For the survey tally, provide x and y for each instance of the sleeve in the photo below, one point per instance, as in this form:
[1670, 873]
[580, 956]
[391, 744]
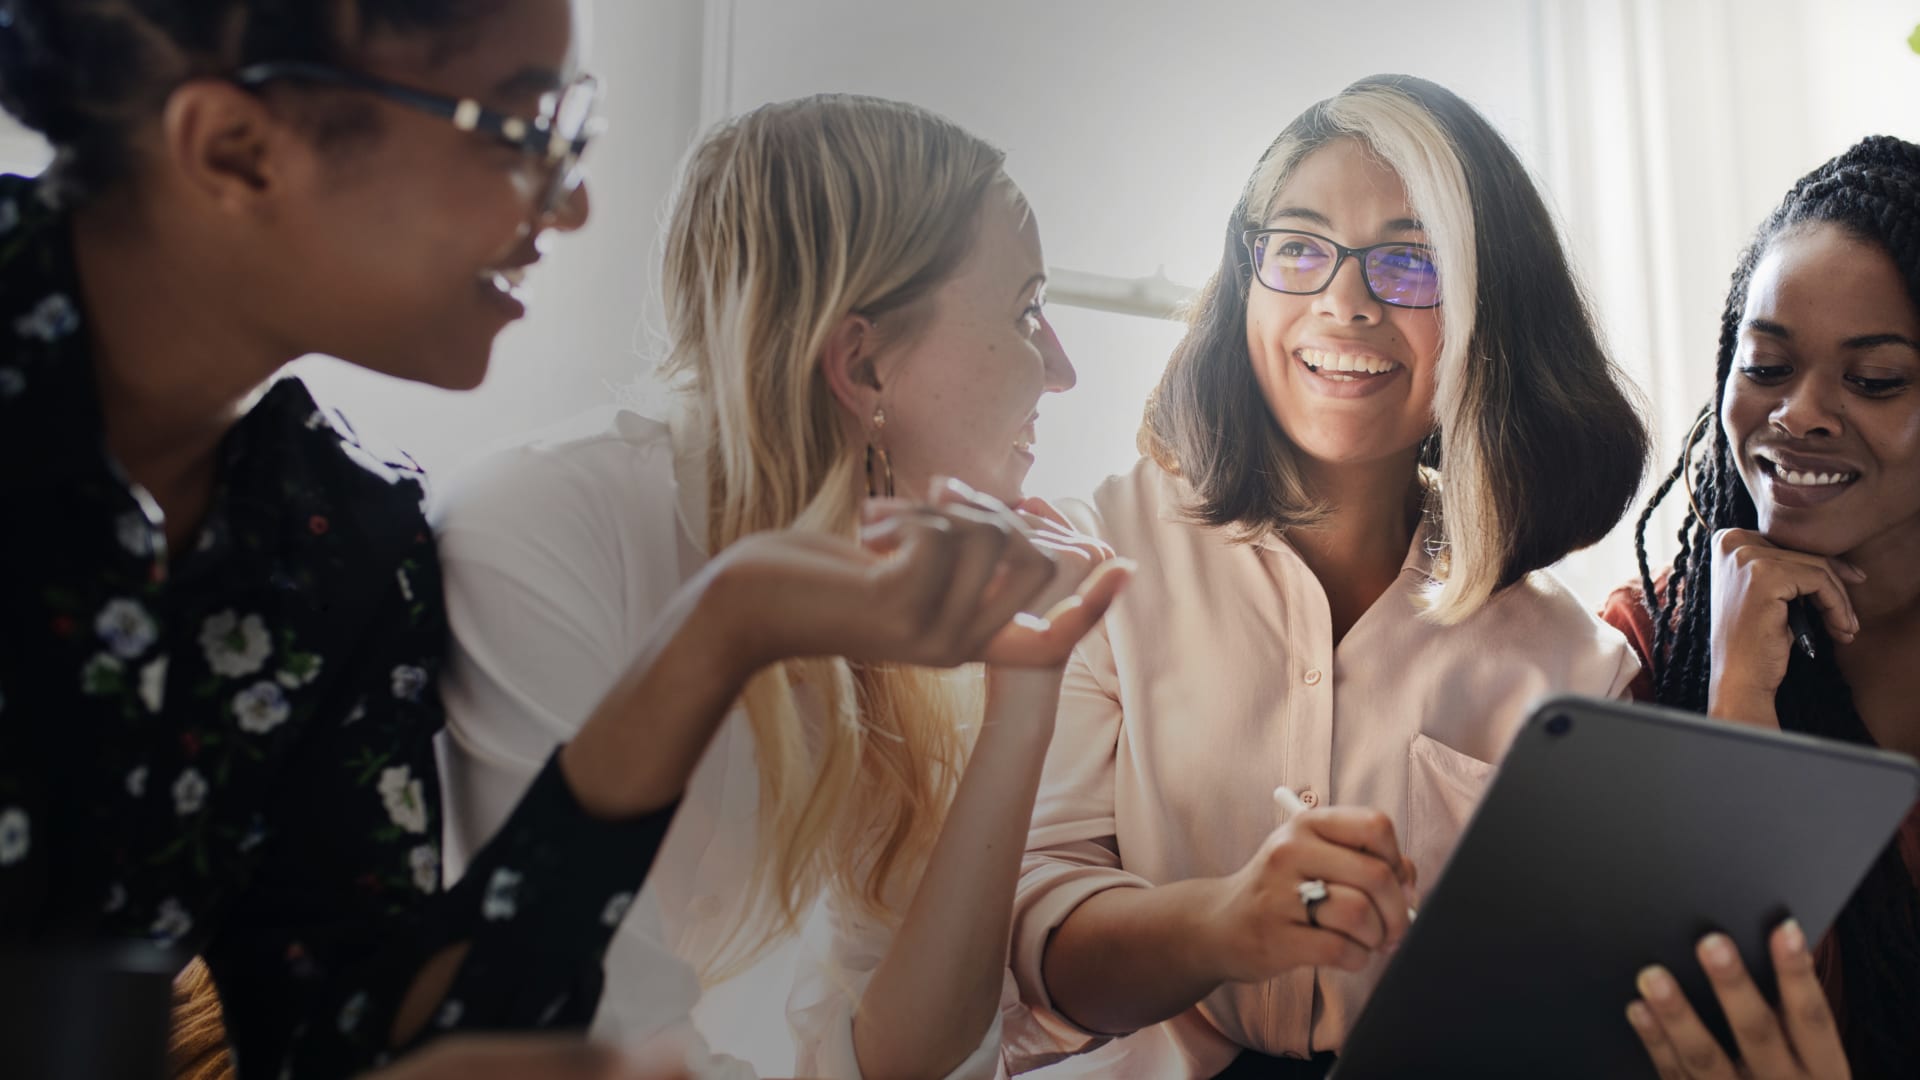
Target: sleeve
[316, 956]
[1626, 611]
[838, 957]
[536, 590]
[1072, 850]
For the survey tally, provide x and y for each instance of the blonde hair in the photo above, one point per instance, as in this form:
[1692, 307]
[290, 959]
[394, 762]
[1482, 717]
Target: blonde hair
[788, 219]
[1538, 447]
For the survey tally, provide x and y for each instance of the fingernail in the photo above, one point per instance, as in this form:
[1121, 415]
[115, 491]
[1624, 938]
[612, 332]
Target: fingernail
[1794, 938]
[1639, 1015]
[1655, 984]
[1124, 563]
[1717, 951]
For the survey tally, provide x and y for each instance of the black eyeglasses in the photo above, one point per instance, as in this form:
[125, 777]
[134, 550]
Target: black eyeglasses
[1304, 263]
[554, 141]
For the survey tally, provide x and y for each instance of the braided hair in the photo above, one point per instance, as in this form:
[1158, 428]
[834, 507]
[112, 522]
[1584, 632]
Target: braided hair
[86, 74]
[1873, 192]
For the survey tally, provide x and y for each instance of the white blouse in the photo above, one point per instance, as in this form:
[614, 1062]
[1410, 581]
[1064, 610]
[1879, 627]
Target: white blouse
[1216, 677]
[558, 555]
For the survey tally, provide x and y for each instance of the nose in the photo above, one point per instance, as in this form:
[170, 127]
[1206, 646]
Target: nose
[1346, 299]
[1059, 370]
[1808, 406]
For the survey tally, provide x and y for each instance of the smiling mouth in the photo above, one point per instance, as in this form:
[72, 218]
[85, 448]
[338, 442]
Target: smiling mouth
[1345, 367]
[1796, 478]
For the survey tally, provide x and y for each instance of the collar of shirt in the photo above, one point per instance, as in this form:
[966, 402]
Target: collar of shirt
[1426, 546]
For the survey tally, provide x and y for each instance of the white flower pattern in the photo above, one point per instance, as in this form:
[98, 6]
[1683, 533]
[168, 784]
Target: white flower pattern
[235, 647]
[126, 628]
[352, 1011]
[189, 792]
[153, 684]
[261, 707]
[50, 320]
[171, 923]
[16, 835]
[405, 798]
[135, 533]
[101, 676]
[300, 671]
[425, 862]
[502, 901]
[409, 680]
[616, 909]
[137, 781]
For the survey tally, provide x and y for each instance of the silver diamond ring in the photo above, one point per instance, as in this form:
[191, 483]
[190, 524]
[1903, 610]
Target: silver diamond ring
[1312, 892]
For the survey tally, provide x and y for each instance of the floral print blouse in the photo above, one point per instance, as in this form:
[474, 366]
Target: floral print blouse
[229, 750]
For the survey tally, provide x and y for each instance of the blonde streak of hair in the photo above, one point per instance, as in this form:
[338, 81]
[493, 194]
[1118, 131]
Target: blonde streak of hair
[1407, 138]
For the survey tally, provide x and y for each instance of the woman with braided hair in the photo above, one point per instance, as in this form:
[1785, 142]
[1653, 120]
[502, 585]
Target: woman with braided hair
[1808, 494]
[221, 619]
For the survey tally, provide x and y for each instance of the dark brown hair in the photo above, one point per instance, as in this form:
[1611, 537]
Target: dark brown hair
[87, 73]
[1539, 448]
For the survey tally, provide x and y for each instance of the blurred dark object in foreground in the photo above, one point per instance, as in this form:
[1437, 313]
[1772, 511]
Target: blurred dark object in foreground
[85, 1012]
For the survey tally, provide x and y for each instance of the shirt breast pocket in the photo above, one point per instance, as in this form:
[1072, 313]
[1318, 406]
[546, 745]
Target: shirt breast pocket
[1443, 788]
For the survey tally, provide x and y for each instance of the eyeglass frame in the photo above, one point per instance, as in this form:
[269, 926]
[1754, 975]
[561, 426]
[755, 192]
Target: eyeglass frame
[1250, 236]
[535, 138]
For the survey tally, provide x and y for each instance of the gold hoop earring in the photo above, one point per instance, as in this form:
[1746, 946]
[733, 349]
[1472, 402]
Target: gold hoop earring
[1686, 467]
[880, 482]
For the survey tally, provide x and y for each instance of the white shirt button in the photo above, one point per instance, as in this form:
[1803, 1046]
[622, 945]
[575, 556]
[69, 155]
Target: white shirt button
[1313, 677]
[1309, 798]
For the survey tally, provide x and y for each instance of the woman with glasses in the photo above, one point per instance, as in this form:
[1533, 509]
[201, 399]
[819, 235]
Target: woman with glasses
[1807, 495]
[1390, 412]
[220, 617]
[854, 294]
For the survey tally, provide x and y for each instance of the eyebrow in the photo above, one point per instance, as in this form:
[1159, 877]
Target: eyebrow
[1320, 219]
[1864, 341]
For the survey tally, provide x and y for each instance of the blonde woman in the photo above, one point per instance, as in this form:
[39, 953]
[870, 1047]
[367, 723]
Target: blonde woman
[854, 297]
[1390, 411]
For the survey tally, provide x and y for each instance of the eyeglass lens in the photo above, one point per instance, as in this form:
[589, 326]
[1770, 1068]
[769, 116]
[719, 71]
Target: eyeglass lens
[569, 130]
[1400, 274]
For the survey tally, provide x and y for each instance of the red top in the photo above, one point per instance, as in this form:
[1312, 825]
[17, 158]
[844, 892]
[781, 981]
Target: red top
[1626, 611]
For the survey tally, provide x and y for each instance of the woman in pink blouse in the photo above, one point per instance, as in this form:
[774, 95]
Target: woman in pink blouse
[1390, 412]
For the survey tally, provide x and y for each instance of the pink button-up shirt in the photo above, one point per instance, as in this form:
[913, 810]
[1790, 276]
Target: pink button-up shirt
[1216, 677]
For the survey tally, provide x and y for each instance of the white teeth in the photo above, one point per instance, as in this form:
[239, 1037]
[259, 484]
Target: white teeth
[1330, 362]
[1808, 479]
[507, 280]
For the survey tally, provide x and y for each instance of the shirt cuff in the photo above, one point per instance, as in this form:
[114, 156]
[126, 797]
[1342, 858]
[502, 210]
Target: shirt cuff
[1047, 895]
[542, 900]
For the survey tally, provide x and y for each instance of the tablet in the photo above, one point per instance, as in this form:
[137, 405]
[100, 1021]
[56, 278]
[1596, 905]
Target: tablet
[1615, 836]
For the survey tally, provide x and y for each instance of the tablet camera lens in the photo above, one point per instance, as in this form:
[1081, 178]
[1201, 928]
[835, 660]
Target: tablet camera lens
[1559, 724]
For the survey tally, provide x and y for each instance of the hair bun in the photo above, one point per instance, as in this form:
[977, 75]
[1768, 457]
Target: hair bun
[1881, 152]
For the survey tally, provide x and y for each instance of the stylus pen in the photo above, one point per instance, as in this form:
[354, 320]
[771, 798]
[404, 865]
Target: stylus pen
[1800, 622]
[1289, 804]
